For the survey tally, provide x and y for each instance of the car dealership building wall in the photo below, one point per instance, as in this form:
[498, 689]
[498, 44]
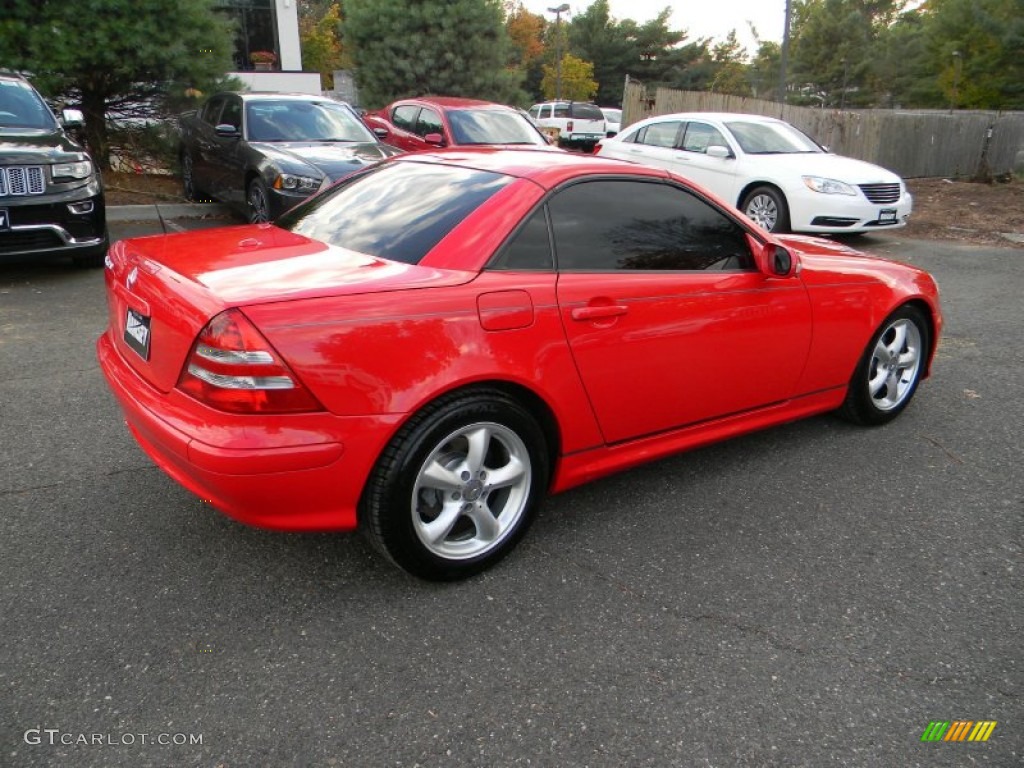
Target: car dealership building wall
[912, 143]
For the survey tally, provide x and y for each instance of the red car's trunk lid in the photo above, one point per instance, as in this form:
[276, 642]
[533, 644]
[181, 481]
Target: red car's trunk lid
[163, 290]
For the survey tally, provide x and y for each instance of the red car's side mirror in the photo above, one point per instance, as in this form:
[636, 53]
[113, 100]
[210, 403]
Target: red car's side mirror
[772, 259]
[434, 138]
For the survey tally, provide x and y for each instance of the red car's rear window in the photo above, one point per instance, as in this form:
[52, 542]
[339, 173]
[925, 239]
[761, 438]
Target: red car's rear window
[396, 211]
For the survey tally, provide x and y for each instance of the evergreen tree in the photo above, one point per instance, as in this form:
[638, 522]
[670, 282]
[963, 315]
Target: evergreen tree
[114, 53]
[414, 47]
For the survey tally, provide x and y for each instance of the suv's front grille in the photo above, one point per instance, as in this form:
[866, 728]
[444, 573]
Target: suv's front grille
[881, 193]
[22, 181]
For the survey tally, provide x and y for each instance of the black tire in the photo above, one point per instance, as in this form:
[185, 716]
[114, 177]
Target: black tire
[257, 201]
[890, 369]
[188, 179]
[429, 522]
[768, 208]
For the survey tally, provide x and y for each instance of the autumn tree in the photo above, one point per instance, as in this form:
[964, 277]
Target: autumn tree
[414, 47]
[526, 31]
[115, 53]
[577, 80]
[320, 39]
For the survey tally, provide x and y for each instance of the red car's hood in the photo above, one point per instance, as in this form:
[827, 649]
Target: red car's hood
[261, 263]
[829, 258]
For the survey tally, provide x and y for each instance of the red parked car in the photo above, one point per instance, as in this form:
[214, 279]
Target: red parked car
[434, 343]
[444, 121]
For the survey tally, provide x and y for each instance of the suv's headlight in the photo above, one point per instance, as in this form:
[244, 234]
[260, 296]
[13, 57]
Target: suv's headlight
[81, 169]
[828, 186]
[294, 183]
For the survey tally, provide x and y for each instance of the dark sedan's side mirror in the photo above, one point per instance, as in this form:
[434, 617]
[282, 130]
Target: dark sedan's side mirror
[72, 118]
[434, 138]
[227, 131]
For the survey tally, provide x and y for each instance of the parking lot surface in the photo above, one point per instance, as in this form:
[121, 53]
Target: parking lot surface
[811, 595]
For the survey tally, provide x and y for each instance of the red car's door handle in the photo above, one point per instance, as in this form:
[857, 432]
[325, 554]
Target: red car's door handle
[598, 312]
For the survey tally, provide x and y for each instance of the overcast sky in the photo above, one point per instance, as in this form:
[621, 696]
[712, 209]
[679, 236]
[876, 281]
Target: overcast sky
[707, 18]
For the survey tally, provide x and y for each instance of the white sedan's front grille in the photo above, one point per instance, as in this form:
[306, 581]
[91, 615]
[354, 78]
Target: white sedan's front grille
[22, 181]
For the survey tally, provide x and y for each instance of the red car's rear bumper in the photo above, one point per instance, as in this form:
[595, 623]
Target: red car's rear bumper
[306, 474]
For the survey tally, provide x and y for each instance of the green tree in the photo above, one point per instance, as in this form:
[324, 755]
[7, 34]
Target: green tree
[729, 58]
[108, 54]
[577, 79]
[595, 37]
[833, 46]
[975, 52]
[413, 47]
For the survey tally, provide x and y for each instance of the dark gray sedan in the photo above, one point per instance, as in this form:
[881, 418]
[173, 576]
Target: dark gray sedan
[262, 153]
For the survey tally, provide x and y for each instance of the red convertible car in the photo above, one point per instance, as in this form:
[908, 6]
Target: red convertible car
[427, 348]
[431, 122]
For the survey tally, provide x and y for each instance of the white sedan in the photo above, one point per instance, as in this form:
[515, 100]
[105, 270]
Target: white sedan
[774, 173]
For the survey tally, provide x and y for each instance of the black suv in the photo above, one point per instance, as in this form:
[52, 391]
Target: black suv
[51, 195]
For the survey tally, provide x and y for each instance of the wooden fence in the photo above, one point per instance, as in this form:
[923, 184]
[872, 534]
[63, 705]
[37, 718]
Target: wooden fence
[914, 144]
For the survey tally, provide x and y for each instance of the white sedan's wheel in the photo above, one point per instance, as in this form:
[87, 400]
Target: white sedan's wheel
[767, 207]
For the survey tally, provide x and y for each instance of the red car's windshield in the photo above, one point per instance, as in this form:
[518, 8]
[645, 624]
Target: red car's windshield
[397, 211]
[492, 126]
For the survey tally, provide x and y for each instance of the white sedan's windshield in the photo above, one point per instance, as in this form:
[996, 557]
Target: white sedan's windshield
[771, 138]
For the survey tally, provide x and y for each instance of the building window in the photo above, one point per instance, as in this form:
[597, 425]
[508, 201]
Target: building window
[255, 29]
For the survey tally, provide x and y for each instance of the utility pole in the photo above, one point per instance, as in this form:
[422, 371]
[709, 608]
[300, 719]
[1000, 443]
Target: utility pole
[785, 55]
[563, 8]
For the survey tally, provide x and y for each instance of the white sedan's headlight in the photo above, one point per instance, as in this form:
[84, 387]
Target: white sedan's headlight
[294, 183]
[828, 186]
[78, 170]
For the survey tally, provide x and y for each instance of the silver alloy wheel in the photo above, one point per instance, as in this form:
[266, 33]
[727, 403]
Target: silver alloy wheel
[763, 210]
[259, 208]
[471, 491]
[895, 364]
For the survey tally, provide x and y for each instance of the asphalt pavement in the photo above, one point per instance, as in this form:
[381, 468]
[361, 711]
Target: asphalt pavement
[811, 595]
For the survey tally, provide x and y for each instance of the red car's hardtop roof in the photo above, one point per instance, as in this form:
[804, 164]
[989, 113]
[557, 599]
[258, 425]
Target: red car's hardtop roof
[546, 168]
[453, 102]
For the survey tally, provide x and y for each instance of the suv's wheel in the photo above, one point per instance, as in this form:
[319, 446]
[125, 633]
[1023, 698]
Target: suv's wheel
[457, 487]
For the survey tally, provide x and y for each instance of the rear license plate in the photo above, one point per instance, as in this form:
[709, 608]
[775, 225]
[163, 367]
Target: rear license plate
[136, 332]
[887, 216]
[5, 220]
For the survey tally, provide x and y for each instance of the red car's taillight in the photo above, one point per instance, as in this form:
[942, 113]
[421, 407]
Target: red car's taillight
[233, 368]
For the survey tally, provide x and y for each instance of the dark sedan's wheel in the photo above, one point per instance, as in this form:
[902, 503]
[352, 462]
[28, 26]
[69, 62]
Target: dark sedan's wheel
[258, 201]
[188, 179]
[767, 207]
[890, 369]
[458, 486]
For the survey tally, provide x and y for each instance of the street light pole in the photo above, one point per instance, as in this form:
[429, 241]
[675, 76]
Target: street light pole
[957, 59]
[563, 8]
